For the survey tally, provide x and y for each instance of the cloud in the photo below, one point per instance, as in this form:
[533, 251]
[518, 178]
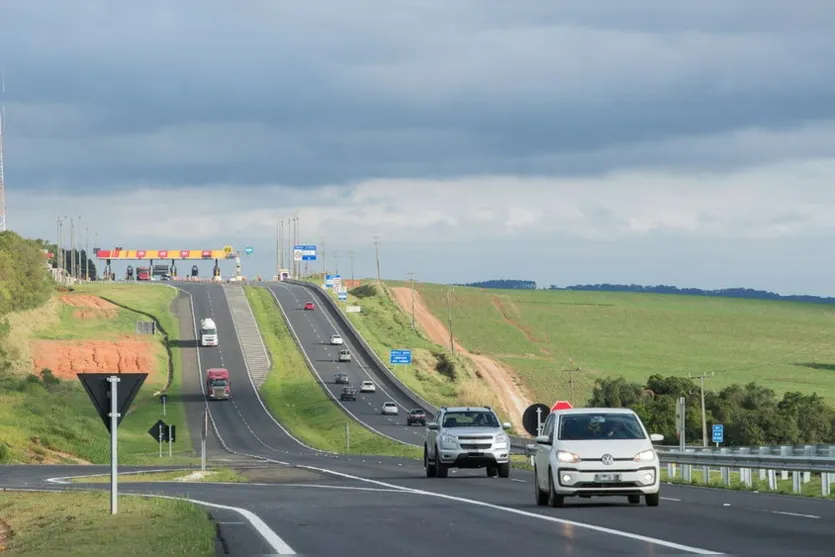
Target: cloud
[311, 93]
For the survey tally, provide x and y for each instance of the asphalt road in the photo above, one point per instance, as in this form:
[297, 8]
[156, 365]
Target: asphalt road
[324, 503]
[314, 329]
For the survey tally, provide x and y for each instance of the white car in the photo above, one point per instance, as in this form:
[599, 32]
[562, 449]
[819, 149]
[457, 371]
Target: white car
[368, 387]
[336, 339]
[390, 408]
[594, 452]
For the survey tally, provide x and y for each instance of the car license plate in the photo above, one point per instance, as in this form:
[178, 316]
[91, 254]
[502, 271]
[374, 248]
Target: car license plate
[607, 478]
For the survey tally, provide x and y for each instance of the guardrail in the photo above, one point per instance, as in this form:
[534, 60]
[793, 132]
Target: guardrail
[517, 442]
[782, 450]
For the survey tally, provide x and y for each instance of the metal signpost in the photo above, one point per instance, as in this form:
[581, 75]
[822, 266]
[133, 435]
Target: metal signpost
[680, 423]
[203, 434]
[112, 404]
[163, 399]
[164, 433]
[718, 433]
[534, 417]
[146, 328]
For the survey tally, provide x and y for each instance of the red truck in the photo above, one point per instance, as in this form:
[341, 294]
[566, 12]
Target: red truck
[217, 383]
[143, 273]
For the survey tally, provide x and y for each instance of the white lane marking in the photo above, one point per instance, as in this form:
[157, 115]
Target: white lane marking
[64, 479]
[671, 499]
[518, 480]
[547, 518]
[273, 540]
[798, 515]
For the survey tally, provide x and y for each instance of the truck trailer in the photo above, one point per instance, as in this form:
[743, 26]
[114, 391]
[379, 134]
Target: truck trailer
[208, 332]
[217, 384]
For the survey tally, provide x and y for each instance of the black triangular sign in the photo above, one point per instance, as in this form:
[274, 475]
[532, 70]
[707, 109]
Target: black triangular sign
[98, 388]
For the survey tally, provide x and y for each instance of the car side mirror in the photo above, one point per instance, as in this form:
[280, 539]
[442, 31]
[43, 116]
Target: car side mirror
[543, 440]
[656, 437]
[432, 425]
[507, 425]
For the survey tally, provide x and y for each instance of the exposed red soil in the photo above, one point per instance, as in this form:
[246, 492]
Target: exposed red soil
[499, 376]
[90, 307]
[67, 358]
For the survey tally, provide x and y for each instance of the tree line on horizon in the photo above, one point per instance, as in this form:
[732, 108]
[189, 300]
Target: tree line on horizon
[744, 293]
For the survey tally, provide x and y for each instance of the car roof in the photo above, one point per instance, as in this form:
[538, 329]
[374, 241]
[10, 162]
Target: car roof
[570, 411]
[467, 409]
[368, 381]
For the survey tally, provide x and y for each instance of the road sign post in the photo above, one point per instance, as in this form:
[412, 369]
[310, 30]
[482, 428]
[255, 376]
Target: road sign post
[114, 443]
[163, 399]
[112, 404]
[680, 423]
[171, 439]
[718, 434]
[347, 437]
[534, 417]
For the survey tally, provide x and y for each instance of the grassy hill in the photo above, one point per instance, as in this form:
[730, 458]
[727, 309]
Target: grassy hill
[542, 335]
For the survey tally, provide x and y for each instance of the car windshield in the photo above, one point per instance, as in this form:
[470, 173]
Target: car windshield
[470, 418]
[417, 412]
[389, 404]
[218, 382]
[589, 427]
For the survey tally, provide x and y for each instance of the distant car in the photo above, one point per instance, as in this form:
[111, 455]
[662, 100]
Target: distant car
[344, 355]
[340, 378]
[390, 408]
[348, 393]
[336, 339]
[309, 306]
[368, 387]
[416, 416]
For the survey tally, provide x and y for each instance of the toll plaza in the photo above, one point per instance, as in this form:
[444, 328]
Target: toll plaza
[151, 255]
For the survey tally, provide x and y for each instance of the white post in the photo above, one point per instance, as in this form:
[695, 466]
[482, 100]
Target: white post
[163, 407]
[538, 422]
[170, 443]
[159, 439]
[203, 439]
[114, 443]
[347, 437]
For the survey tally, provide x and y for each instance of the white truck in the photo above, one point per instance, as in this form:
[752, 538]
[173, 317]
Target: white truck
[208, 332]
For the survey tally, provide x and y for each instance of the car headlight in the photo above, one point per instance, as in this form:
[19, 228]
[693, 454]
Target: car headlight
[565, 456]
[645, 456]
[448, 440]
[501, 440]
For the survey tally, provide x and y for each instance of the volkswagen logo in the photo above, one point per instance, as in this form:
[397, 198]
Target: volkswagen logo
[607, 459]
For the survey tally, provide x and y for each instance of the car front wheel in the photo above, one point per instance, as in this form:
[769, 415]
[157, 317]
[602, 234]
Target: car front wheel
[652, 499]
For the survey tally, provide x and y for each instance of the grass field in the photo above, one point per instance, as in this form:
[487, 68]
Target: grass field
[784, 487]
[57, 523]
[297, 399]
[384, 326]
[543, 334]
[56, 422]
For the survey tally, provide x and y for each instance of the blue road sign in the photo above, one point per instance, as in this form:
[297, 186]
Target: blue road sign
[248, 250]
[718, 433]
[400, 357]
[328, 281]
[305, 253]
[342, 296]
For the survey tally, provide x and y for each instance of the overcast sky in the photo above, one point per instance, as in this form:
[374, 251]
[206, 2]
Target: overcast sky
[687, 143]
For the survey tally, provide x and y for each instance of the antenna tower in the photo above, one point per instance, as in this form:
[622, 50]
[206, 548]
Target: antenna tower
[2, 126]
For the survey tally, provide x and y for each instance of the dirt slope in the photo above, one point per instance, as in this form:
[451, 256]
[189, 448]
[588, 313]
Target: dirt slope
[499, 376]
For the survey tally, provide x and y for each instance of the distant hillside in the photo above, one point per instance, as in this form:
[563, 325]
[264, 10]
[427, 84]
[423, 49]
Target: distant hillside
[724, 292]
[750, 293]
[507, 284]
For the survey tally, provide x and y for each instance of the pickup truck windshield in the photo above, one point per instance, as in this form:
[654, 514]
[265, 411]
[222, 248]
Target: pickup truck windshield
[591, 427]
[475, 418]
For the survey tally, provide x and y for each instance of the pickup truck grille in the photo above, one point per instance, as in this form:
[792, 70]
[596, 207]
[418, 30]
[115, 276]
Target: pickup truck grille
[476, 446]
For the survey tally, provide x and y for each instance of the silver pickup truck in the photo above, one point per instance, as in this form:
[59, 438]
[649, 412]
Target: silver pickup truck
[466, 437]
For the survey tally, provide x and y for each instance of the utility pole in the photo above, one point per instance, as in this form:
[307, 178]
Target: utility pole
[58, 242]
[351, 257]
[571, 369]
[377, 257]
[704, 411]
[86, 252]
[72, 246]
[324, 265]
[336, 262]
[412, 277]
[278, 250]
[450, 291]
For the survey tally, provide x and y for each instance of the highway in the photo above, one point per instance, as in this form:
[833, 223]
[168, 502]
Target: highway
[314, 329]
[319, 502]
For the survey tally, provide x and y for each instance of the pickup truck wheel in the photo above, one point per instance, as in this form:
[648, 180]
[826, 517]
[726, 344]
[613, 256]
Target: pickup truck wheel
[504, 470]
[431, 470]
[441, 468]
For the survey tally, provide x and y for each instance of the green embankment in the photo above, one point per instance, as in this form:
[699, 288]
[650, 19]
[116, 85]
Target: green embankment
[73, 522]
[435, 374]
[50, 418]
[785, 346]
[298, 401]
